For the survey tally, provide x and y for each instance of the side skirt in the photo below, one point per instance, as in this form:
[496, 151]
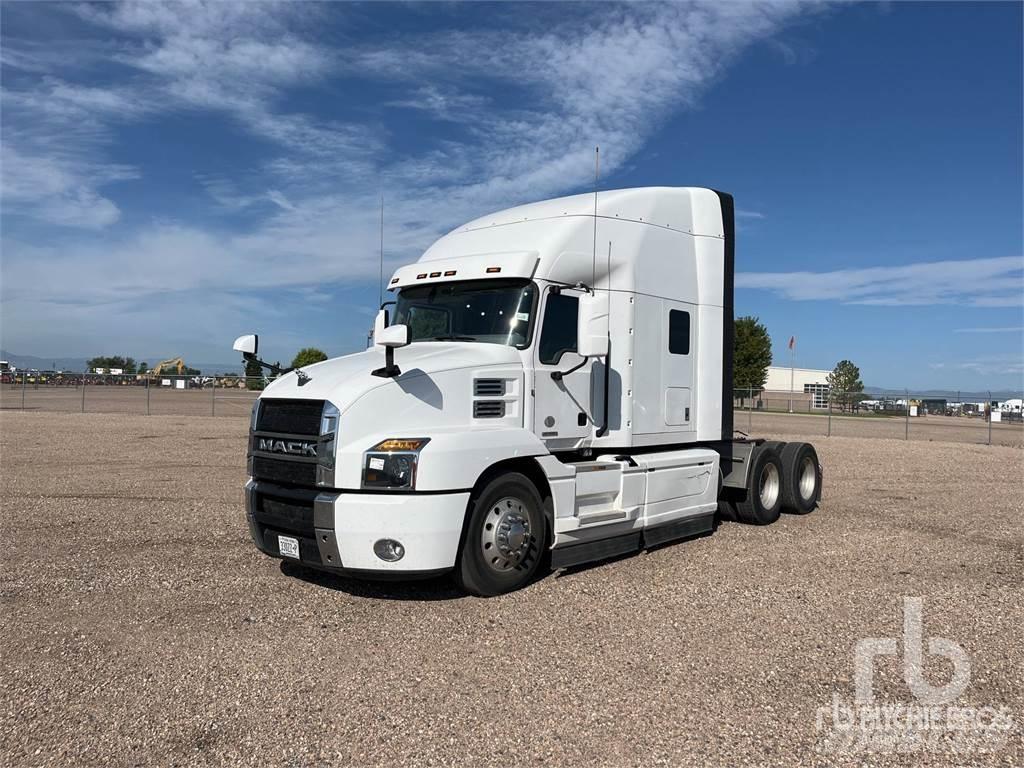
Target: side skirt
[602, 549]
[681, 529]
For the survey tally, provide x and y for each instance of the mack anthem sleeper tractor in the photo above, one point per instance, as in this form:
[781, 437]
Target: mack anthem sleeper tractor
[548, 385]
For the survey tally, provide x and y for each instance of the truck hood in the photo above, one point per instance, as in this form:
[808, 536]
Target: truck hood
[344, 379]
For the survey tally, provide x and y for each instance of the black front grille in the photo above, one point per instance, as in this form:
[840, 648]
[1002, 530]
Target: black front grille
[280, 471]
[293, 417]
[290, 417]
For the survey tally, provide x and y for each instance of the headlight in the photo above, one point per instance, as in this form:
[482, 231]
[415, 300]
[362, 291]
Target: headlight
[392, 463]
[329, 418]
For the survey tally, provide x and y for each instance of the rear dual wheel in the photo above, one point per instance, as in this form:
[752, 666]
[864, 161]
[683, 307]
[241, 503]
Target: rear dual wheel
[783, 477]
[762, 503]
[802, 475]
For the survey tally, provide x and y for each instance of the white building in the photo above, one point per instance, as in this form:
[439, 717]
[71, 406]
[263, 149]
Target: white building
[810, 384]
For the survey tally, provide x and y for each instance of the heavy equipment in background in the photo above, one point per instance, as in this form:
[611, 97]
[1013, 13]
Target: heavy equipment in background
[175, 366]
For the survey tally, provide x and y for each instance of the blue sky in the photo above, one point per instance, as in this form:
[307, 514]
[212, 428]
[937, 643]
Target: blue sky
[175, 175]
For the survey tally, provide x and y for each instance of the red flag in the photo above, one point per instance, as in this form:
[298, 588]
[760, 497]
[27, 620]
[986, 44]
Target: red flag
[792, 341]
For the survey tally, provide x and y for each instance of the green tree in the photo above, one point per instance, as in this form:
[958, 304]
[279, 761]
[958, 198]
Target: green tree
[253, 375]
[143, 367]
[844, 384]
[308, 356]
[752, 354]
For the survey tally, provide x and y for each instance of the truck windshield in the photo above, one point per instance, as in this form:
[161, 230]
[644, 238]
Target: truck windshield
[488, 311]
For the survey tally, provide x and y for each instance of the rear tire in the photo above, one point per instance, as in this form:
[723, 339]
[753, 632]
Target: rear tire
[505, 537]
[762, 503]
[801, 471]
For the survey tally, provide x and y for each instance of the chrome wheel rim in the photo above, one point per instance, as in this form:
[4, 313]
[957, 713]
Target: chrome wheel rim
[808, 478]
[507, 537]
[768, 486]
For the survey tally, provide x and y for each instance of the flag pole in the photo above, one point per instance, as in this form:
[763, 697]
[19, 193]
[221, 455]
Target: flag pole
[792, 369]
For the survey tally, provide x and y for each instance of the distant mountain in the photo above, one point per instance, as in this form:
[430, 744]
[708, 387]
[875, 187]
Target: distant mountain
[77, 364]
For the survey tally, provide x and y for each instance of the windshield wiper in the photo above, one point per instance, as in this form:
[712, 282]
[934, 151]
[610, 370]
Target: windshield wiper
[453, 337]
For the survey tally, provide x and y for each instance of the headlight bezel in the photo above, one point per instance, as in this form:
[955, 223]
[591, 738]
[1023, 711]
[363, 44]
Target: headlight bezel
[385, 473]
[330, 421]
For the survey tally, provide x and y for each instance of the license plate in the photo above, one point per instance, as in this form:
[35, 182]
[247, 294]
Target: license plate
[288, 546]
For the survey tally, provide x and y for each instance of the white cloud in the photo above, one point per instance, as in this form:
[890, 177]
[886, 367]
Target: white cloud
[443, 104]
[993, 282]
[53, 163]
[59, 188]
[1004, 329]
[989, 365]
[575, 85]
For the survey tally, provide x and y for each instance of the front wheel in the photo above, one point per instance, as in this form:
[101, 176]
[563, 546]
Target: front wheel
[504, 539]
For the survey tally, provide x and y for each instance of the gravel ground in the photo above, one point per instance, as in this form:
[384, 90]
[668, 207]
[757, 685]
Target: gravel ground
[141, 627]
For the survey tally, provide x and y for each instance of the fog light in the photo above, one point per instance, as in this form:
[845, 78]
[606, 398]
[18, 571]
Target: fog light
[389, 550]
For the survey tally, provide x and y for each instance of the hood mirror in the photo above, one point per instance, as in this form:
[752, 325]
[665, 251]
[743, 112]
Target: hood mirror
[393, 336]
[390, 337]
[248, 345]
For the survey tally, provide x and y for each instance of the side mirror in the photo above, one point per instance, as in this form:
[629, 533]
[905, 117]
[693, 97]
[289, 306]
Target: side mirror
[391, 337]
[592, 333]
[380, 322]
[248, 345]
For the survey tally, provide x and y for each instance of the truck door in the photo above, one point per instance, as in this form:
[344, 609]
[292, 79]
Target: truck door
[563, 414]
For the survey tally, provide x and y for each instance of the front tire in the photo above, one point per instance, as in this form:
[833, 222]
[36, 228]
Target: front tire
[504, 539]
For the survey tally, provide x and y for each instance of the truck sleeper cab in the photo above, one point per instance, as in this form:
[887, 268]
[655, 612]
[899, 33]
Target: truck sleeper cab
[550, 387]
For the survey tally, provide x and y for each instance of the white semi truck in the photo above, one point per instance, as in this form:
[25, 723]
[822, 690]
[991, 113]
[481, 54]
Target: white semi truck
[549, 385]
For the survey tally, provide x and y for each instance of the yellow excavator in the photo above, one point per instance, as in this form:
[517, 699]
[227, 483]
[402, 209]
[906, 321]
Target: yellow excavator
[174, 366]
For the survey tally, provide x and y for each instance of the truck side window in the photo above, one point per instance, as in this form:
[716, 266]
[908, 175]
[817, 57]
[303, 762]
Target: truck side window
[678, 332]
[558, 334]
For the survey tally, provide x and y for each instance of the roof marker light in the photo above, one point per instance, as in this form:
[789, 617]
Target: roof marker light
[435, 274]
[394, 280]
[421, 275]
[491, 270]
[449, 273]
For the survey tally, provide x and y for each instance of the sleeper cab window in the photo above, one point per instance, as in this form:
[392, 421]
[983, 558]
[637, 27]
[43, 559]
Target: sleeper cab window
[678, 332]
[558, 334]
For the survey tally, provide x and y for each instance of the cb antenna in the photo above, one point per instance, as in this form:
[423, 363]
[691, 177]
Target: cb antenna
[597, 175]
[380, 289]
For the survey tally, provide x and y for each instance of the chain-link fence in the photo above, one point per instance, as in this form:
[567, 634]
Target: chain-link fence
[175, 395]
[817, 413]
[903, 416]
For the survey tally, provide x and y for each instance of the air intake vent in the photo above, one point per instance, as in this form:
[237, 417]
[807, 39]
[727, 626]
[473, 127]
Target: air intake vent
[488, 387]
[488, 409]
